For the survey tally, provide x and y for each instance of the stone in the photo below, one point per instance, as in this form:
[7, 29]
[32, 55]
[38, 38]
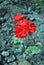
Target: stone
[5, 53]
[24, 62]
[13, 63]
[29, 9]
[2, 42]
[11, 58]
[4, 29]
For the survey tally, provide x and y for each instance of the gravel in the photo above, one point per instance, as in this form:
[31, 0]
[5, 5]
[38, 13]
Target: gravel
[8, 54]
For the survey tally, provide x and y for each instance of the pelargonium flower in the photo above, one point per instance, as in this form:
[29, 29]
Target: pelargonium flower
[23, 27]
[24, 22]
[32, 29]
[18, 17]
[20, 32]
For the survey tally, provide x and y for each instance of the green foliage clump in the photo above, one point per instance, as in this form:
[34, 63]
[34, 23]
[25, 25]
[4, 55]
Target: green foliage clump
[32, 50]
[18, 43]
[19, 47]
[37, 4]
[18, 40]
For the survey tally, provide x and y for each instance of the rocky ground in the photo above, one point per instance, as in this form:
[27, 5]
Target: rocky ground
[8, 54]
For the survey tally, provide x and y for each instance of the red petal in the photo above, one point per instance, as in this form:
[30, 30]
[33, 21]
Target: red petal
[20, 32]
[18, 17]
[24, 22]
[20, 35]
[32, 29]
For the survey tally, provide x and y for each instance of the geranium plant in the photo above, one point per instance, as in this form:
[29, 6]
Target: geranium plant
[23, 27]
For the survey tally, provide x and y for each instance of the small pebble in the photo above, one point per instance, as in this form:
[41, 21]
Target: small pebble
[5, 53]
[11, 58]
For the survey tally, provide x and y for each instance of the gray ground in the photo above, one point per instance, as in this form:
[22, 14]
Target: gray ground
[8, 9]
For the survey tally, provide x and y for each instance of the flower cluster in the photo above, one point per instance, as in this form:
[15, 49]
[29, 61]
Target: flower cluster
[23, 27]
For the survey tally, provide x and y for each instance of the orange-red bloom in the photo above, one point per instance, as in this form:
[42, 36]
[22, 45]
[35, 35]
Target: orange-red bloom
[20, 32]
[23, 27]
[24, 22]
[32, 29]
[18, 17]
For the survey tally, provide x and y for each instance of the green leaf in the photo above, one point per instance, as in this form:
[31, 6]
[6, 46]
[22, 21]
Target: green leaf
[32, 50]
[39, 4]
[17, 40]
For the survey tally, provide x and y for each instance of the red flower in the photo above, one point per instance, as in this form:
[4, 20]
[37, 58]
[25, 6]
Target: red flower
[23, 27]
[18, 17]
[24, 22]
[20, 32]
[32, 29]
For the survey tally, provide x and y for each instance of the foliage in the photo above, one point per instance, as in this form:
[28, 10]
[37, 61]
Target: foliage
[19, 47]
[37, 4]
[18, 40]
[32, 50]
